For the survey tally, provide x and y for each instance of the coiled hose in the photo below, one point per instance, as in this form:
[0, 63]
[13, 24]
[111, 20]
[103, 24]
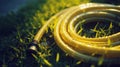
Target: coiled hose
[67, 22]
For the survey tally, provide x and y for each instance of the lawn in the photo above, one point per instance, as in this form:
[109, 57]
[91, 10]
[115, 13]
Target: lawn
[17, 31]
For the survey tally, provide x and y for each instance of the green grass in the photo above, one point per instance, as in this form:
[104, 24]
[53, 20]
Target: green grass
[17, 30]
[97, 29]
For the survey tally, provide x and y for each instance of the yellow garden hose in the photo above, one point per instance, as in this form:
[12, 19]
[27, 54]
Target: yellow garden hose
[66, 23]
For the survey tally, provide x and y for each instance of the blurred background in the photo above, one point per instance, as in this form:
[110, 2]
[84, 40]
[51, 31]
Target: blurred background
[13, 5]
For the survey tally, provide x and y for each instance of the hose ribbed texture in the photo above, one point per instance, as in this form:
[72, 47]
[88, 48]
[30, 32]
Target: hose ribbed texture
[66, 23]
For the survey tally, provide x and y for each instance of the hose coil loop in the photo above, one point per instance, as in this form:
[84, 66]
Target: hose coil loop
[67, 22]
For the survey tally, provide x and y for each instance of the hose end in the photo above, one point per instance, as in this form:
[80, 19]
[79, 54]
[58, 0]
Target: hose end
[32, 47]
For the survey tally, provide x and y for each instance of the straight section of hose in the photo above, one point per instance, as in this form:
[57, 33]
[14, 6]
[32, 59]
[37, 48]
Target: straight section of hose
[65, 32]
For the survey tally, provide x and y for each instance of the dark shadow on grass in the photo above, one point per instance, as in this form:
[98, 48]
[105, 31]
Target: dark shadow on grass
[8, 27]
[12, 20]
